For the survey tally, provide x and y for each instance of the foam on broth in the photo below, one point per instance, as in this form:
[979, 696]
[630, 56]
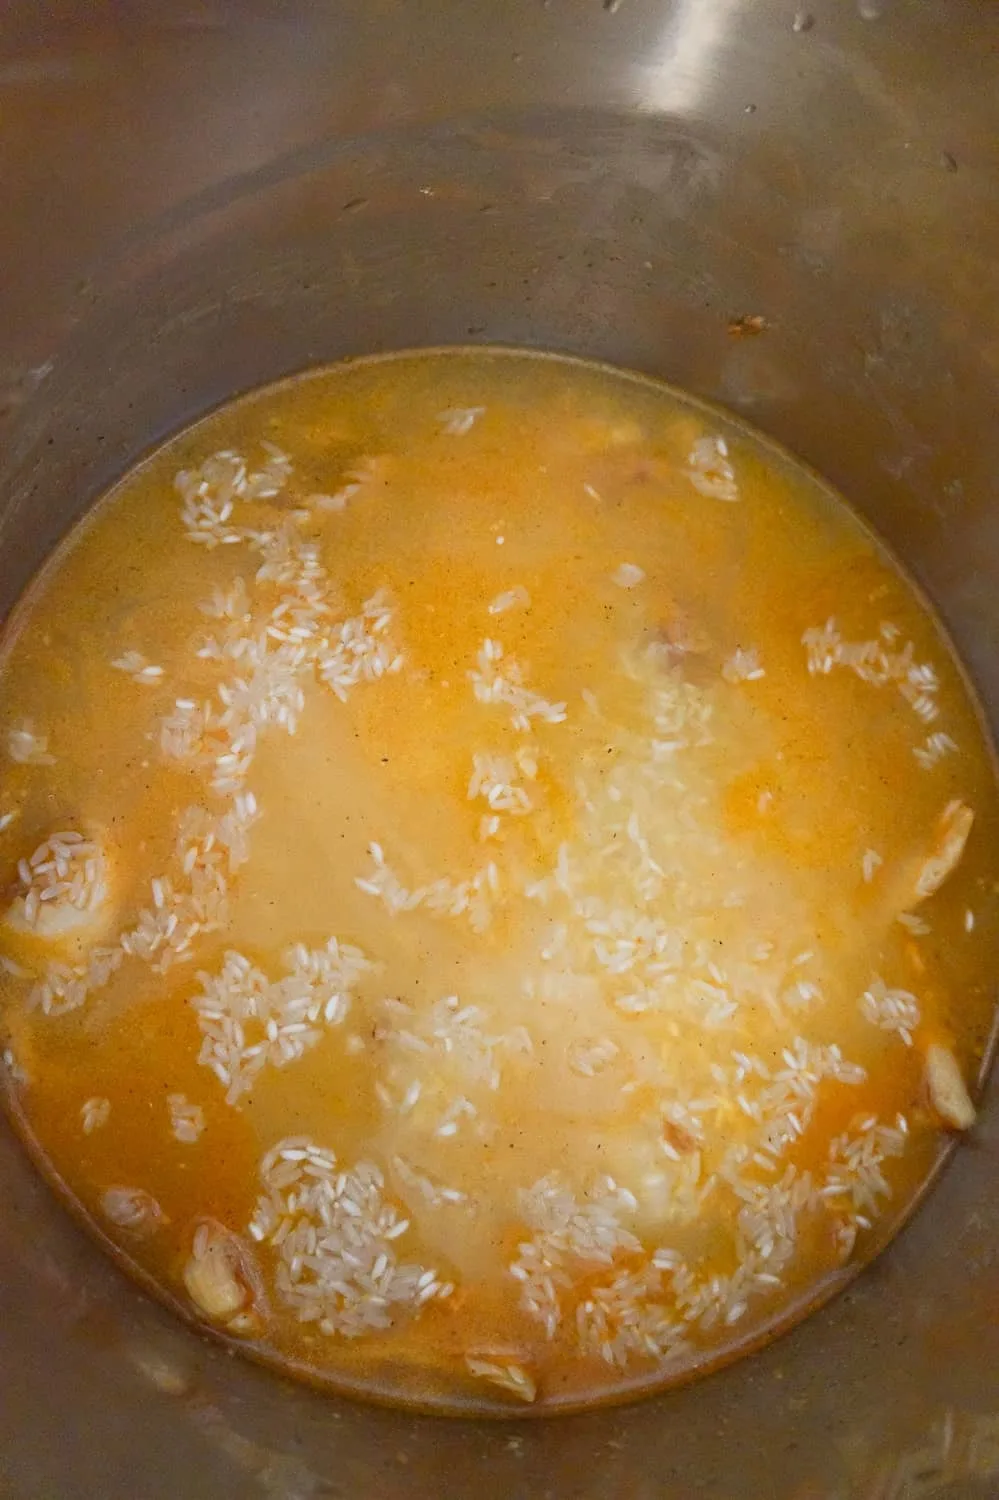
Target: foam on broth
[498, 901]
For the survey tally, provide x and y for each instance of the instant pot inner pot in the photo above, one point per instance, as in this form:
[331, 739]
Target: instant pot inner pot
[813, 189]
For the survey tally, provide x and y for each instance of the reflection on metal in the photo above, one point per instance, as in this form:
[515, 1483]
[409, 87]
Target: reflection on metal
[961, 1449]
[685, 69]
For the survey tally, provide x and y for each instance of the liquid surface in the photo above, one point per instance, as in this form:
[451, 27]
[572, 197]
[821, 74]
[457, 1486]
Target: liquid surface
[497, 895]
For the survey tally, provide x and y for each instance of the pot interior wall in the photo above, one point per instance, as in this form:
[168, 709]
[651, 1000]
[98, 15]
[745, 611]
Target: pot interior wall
[622, 183]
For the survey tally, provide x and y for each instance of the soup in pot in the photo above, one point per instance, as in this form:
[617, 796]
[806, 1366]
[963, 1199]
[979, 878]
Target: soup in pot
[498, 880]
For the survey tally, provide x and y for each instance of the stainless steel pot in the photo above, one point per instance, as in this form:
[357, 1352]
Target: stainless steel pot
[200, 195]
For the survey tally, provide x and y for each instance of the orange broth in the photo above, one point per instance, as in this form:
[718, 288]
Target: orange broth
[487, 880]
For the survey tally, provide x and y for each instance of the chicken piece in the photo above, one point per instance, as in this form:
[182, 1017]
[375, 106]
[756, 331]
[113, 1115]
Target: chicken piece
[133, 1210]
[363, 475]
[684, 635]
[922, 876]
[680, 640]
[63, 890]
[509, 1374]
[947, 1089]
[953, 829]
[221, 1279]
